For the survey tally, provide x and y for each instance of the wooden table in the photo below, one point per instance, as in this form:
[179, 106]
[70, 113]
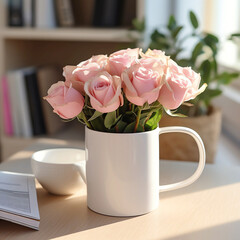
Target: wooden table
[208, 209]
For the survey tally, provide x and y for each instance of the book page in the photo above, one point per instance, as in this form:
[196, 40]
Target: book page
[18, 194]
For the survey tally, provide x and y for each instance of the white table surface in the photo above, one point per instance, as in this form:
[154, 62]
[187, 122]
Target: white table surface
[208, 209]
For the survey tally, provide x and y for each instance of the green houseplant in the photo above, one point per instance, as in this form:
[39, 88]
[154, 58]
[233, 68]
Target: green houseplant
[202, 115]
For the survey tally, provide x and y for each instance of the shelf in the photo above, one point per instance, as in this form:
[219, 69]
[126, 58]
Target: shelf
[68, 34]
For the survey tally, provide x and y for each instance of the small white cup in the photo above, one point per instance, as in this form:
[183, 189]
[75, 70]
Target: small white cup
[57, 170]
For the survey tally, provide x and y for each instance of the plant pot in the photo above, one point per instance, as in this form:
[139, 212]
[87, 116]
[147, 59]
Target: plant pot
[177, 146]
[122, 171]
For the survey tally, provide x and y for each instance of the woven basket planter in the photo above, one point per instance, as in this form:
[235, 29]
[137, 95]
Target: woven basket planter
[178, 146]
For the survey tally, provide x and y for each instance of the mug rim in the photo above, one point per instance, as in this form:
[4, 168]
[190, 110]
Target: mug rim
[33, 157]
[157, 129]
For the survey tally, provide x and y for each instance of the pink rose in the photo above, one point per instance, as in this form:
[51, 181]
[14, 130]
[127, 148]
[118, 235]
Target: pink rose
[104, 91]
[78, 75]
[181, 85]
[195, 79]
[66, 101]
[142, 82]
[157, 55]
[120, 60]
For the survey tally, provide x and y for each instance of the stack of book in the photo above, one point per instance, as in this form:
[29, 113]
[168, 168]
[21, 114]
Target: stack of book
[26, 114]
[69, 13]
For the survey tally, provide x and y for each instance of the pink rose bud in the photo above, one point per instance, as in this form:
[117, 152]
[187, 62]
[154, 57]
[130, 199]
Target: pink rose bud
[66, 101]
[120, 60]
[181, 85]
[78, 75]
[104, 91]
[143, 81]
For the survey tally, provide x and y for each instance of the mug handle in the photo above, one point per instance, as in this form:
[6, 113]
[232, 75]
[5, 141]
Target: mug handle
[202, 157]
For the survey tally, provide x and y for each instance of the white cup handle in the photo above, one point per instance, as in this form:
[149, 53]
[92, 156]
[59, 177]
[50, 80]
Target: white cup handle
[81, 168]
[202, 157]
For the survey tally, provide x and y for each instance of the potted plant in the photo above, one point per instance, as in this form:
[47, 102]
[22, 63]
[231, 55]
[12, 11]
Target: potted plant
[202, 115]
[121, 99]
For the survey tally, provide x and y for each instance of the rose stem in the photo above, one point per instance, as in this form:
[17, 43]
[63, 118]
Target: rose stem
[138, 119]
[133, 107]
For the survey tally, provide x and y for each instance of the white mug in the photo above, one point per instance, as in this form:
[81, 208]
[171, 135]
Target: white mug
[57, 171]
[122, 170]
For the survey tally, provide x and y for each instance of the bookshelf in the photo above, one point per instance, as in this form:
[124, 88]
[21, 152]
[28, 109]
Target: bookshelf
[21, 47]
[72, 34]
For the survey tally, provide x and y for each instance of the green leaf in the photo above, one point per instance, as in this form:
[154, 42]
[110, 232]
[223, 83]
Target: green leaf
[205, 70]
[176, 31]
[95, 115]
[98, 124]
[226, 78]
[197, 51]
[208, 94]
[130, 128]
[157, 45]
[129, 117]
[210, 38]
[162, 42]
[110, 119]
[120, 126]
[80, 120]
[81, 117]
[173, 114]
[145, 106]
[139, 25]
[235, 35]
[155, 104]
[140, 128]
[211, 41]
[193, 19]
[144, 114]
[185, 62]
[152, 123]
[156, 34]
[145, 117]
[214, 65]
[171, 23]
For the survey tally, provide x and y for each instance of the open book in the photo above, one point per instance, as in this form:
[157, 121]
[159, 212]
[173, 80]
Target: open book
[18, 199]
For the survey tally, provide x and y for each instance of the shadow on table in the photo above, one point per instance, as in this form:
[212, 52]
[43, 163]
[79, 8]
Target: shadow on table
[71, 215]
[224, 231]
[213, 176]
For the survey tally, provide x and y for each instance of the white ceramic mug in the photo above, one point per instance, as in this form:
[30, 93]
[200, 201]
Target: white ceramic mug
[122, 170]
[57, 169]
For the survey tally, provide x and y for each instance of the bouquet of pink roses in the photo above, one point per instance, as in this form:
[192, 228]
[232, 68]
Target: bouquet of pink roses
[125, 92]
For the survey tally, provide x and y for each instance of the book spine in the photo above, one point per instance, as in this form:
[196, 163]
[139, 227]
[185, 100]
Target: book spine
[35, 106]
[7, 116]
[33, 13]
[15, 13]
[46, 76]
[15, 111]
[107, 13]
[98, 11]
[45, 14]
[64, 13]
[27, 13]
[24, 116]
